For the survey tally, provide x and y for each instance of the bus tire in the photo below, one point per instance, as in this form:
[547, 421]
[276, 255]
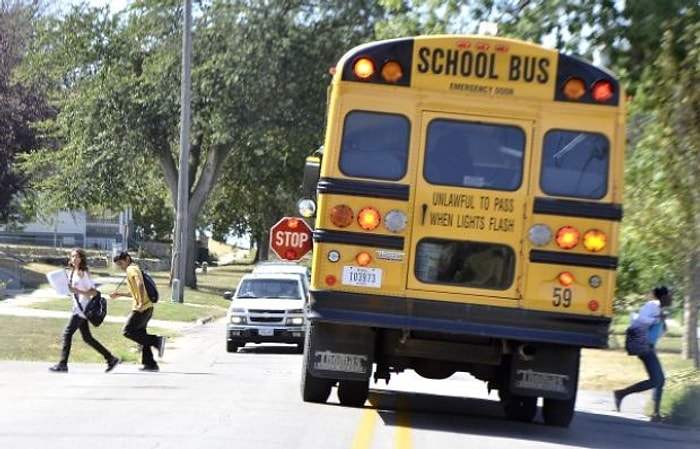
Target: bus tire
[353, 393]
[314, 389]
[519, 408]
[558, 412]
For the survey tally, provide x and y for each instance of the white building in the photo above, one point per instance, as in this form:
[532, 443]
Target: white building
[73, 229]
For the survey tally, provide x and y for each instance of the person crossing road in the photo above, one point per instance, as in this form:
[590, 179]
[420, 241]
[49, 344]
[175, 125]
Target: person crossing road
[141, 313]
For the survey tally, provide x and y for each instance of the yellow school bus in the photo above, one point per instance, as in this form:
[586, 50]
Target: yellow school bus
[467, 202]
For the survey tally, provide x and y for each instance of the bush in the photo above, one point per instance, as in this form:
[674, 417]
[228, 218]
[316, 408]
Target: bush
[681, 402]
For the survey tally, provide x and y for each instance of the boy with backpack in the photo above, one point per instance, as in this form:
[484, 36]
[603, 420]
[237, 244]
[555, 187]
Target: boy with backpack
[142, 310]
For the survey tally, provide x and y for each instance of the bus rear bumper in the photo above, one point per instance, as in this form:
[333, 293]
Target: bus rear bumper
[460, 319]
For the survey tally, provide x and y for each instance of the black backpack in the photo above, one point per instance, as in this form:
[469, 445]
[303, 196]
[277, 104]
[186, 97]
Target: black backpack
[151, 289]
[96, 309]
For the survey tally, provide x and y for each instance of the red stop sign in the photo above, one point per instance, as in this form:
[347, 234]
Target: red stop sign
[290, 238]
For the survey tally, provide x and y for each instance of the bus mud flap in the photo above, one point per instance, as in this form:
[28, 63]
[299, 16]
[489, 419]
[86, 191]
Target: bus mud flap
[548, 371]
[340, 351]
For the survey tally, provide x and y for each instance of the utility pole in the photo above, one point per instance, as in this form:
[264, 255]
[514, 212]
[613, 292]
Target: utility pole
[181, 225]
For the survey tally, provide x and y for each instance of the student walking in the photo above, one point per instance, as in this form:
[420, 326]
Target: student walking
[142, 310]
[651, 318]
[82, 289]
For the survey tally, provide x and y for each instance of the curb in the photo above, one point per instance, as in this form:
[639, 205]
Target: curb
[205, 320]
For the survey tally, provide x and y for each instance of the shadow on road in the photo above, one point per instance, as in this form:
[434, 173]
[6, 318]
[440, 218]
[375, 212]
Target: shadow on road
[484, 417]
[270, 349]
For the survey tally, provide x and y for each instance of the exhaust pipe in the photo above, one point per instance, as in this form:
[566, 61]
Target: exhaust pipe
[526, 352]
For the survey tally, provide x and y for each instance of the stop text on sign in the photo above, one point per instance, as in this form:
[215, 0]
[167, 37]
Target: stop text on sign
[291, 239]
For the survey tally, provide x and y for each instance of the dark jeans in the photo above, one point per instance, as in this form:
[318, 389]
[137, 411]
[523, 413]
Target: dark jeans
[77, 323]
[135, 329]
[656, 378]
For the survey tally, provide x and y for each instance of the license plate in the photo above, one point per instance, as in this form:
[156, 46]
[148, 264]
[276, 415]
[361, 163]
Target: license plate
[266, 332]
[362, 277]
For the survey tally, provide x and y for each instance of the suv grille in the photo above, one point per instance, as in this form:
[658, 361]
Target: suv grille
[266, 316]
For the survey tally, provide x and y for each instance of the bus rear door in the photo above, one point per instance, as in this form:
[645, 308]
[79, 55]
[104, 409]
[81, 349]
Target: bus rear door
[469, 204]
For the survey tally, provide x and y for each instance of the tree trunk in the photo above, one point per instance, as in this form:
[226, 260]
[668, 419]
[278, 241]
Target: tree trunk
[190, 273]
[264, 247]
[199, 192]
[689, 348]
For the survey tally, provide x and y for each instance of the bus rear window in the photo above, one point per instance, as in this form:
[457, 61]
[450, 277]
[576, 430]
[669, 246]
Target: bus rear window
[474, 155]
[575, 164]
[375, 145]
[465, 263]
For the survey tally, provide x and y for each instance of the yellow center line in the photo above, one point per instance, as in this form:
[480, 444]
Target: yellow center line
[403, 430]
[363, 437]
[368, 422]
[403, 424]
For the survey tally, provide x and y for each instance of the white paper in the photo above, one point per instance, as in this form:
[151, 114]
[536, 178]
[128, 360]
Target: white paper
[59, 281]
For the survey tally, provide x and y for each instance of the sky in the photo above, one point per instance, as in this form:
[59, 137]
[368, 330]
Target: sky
[114, 5]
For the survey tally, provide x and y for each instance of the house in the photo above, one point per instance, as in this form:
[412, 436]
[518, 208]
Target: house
[68, 229]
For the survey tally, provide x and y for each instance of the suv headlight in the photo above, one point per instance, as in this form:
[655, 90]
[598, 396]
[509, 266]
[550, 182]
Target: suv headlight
[295, 317]
[237, 316]
[295, 321]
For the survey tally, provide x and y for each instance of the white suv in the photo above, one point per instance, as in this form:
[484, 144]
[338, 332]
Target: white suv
[266, 308]
[286, 267]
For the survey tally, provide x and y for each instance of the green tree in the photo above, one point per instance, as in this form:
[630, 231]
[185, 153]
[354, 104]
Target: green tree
[116, 80]
[280, 55]
[258, 84]
[20, 104]
[662, 227]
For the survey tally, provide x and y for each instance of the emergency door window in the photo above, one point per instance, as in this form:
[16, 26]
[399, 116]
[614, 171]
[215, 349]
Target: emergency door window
[465, 263]
[470, 154]
[375, 145]
[575, 163]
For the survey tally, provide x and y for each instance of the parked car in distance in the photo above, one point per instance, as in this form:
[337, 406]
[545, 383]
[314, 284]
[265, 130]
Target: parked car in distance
[285, 267]
[266, 308]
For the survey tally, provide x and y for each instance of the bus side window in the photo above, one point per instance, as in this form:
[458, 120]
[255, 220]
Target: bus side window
[371, 165]
[575, 163]
[375, 145]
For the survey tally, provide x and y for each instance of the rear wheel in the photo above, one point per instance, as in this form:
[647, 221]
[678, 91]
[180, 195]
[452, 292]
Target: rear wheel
[558, 412]
[353, 393]
[314, 389]
[519, 408]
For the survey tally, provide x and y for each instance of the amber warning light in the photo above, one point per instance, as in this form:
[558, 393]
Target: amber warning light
[567, 237]
[363, 68]
[366, 69]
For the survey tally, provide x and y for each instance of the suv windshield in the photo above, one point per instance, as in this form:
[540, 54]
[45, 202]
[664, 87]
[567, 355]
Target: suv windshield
[269, 288]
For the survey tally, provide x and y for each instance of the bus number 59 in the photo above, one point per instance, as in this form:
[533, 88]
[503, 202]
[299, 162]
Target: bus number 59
[562, 297]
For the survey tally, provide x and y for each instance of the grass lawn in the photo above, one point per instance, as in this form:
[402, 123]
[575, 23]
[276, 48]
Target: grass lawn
[610, 369]
[26, 338]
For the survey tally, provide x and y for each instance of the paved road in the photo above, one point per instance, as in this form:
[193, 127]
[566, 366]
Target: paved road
[205, 397]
